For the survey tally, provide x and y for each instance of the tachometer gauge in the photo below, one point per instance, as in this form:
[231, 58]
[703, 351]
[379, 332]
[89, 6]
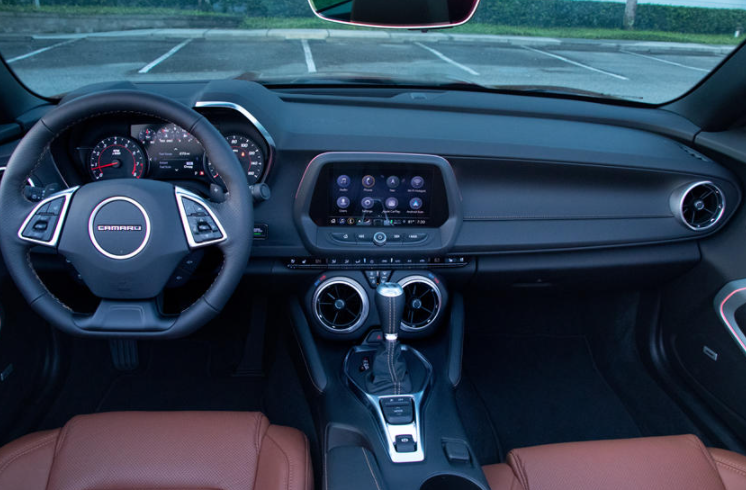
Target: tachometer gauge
[117, 157]
[249, 155]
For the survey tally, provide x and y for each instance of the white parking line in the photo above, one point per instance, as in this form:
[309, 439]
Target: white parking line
[309, 57]
[158, 61]
[447, 59]
[581, 65]
[39, 51]
[666, 61]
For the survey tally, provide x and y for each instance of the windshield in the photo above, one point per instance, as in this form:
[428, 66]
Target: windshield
[650, 52]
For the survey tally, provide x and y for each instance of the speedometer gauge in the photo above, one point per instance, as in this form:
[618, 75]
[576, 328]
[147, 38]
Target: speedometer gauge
[117, 157]
[249, 155]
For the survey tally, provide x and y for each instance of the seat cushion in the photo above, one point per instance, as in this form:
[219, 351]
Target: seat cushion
[653, 463]
[160, 450]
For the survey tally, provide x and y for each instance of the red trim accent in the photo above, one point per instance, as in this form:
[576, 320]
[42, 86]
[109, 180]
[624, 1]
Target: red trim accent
[722, 315]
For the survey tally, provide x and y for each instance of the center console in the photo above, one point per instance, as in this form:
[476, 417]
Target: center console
[369, 204]
[380, 338]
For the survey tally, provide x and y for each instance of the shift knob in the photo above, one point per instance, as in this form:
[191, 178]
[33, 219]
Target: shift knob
[390, 302]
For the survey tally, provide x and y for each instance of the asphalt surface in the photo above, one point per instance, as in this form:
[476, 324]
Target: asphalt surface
[55, 64]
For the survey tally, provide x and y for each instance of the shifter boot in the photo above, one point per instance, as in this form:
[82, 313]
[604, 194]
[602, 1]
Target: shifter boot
[389, 374]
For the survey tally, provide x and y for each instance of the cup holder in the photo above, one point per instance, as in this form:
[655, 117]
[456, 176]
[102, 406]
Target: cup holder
[449, 482]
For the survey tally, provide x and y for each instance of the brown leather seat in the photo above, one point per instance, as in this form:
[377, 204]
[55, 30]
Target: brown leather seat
[160, 450]
[653, 463]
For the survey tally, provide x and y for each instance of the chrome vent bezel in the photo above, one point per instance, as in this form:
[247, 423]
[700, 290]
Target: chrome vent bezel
[678, 203]
[417, 279]
[364, 304]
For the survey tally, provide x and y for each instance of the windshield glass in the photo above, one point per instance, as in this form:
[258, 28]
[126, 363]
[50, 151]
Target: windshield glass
[639, 50]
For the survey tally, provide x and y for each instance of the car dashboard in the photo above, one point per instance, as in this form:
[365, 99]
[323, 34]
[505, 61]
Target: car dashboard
[390, 178]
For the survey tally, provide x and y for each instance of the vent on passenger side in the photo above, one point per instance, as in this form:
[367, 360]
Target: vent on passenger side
[423, 302]
[699, 206]
[341, 304]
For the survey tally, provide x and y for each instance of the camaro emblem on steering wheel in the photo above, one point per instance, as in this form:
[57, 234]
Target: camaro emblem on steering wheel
[119, 227]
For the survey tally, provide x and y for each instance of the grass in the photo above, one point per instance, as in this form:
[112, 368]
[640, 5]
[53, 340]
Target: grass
[468, 28]
[476, 28]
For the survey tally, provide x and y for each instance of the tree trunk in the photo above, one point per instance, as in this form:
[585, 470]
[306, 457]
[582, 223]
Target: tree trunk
[630, 11]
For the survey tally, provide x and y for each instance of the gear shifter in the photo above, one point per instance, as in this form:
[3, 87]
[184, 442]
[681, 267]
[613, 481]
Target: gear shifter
[389, 374]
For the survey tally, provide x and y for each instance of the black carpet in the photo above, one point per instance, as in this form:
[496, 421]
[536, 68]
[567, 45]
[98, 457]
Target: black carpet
[542, 389]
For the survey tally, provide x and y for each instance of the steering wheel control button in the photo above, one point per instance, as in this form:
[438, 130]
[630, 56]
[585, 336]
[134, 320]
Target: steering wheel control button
[44, 224]
[200, 223]
[379, 238]
[119, 227]
[393, 182]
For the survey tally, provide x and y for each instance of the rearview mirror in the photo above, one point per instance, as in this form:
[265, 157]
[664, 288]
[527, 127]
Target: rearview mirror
[404, 14]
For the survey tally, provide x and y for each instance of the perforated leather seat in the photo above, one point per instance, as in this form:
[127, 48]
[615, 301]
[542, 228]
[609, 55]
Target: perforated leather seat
[160, 450]
[653, 463]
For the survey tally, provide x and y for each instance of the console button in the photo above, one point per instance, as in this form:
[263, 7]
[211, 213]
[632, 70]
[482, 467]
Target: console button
[398, 410]
[379, 238]
[364, 236]
[456, 452]
[405, 444]
[343, 236]
[372, 277]
[414, 237]
[395, 237]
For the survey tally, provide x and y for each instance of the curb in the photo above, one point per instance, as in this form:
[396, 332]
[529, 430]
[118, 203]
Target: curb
[650, 47]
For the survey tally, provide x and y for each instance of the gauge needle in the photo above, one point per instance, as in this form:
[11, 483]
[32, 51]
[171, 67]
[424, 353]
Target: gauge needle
[104, 166]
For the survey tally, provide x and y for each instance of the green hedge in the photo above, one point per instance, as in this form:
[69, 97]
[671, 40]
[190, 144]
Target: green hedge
[522, 13]
[569, 13]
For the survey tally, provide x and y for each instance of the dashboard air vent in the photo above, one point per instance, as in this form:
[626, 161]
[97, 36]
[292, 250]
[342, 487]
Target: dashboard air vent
[423, 302]
[341, 304]
[699, 206]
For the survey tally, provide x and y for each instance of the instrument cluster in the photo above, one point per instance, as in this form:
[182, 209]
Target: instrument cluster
[168, 152]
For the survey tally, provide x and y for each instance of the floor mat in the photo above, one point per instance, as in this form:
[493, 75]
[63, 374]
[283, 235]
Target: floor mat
[182, 375]
[542, 389]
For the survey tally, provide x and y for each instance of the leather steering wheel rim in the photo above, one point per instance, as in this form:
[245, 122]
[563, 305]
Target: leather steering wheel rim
[235, 214]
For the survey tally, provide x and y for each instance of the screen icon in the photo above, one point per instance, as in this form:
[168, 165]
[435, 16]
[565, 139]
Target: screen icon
[367, 202]
[393, 182]
[417, 182]
[343, 181]
[343, 202]
[415, 203]
[392, 203]
[369, 181]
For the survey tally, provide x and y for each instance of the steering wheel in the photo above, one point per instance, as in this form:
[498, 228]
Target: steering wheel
[125, 237]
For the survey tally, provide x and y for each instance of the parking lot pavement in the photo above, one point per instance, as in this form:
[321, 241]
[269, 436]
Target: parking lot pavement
[51, 65]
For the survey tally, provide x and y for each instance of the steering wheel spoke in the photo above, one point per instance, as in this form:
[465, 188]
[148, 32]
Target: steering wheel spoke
[201, 223]
[44, 223]
[124, 316]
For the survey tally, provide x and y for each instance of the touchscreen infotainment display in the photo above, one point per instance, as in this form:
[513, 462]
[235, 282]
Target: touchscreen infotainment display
[381, 195]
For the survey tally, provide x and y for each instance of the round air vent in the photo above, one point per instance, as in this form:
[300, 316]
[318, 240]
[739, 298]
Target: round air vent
[699, 206]
[423, 302]
[341, 304]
